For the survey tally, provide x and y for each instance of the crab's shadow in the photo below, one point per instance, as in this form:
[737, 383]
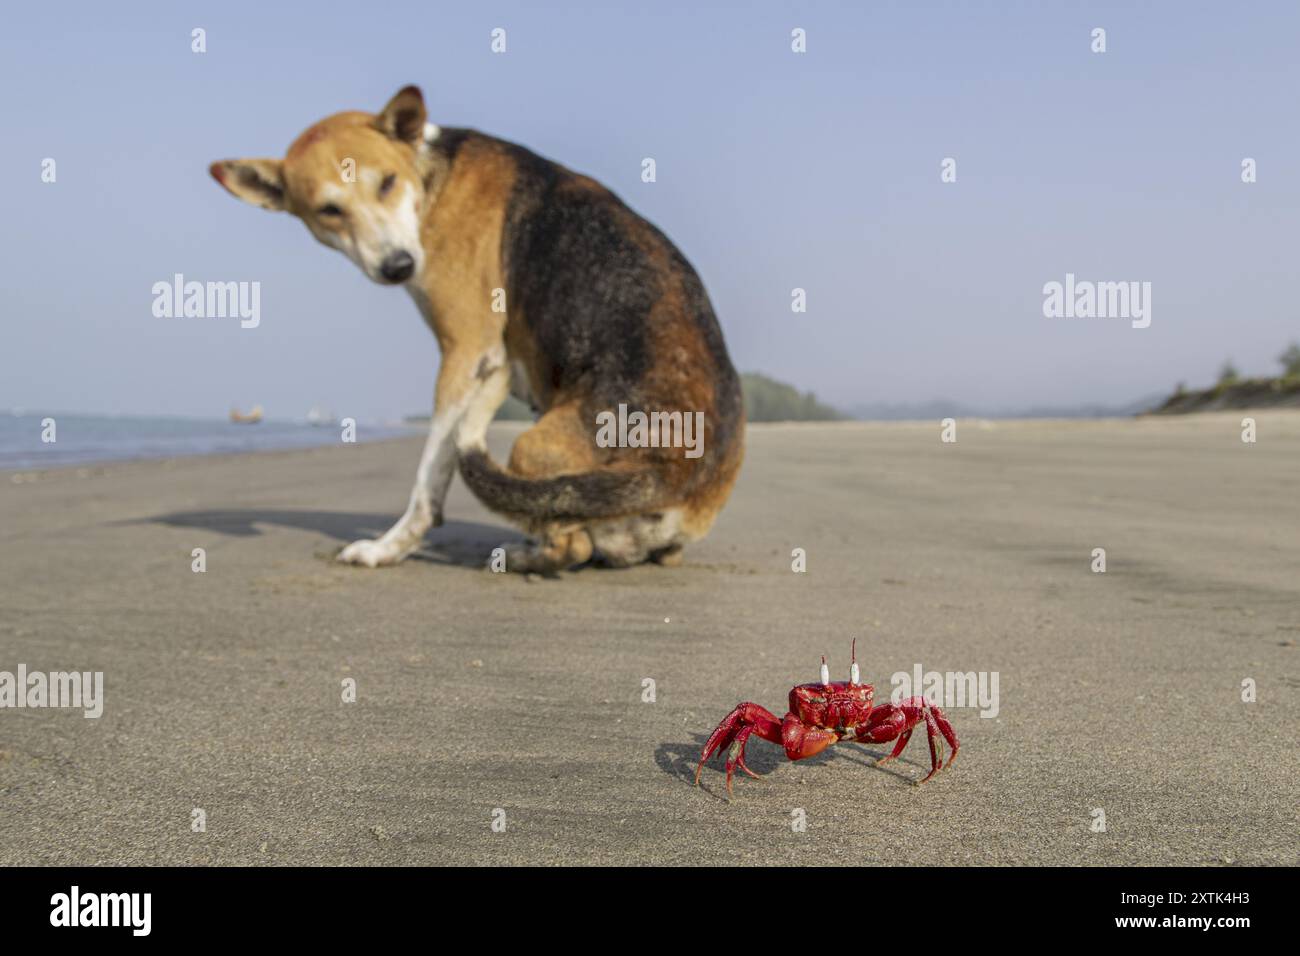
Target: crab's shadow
[680, 760]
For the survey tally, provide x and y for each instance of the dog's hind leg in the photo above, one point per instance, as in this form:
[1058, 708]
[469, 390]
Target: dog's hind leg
[558, 444]
[669, 557]
[624, 542]
[556, 550]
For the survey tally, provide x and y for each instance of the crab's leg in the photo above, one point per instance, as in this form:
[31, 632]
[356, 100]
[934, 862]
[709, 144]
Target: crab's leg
[898, 747]
[736, 757]
[886, 722]
[945, 728]
[931, 738]
[897, 720]
[937, 730]
[747, 718]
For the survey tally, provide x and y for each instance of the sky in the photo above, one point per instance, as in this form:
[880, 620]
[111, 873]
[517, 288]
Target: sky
[775, 170]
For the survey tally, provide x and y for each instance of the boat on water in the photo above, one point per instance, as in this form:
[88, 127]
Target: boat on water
[320, 415]
[251, 417]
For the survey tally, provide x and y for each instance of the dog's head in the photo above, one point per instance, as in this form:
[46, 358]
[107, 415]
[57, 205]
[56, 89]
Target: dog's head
[354, 179]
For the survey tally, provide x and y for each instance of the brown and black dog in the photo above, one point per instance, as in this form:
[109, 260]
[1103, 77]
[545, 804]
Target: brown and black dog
[538, 281]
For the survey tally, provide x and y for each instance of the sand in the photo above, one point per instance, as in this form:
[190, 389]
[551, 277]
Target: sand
[485, 697]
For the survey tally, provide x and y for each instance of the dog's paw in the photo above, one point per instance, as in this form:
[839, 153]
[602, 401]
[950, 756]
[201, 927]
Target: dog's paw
[370, 553]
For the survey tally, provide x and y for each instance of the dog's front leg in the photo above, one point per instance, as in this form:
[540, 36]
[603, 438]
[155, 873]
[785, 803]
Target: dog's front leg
[424, 510]
[462, 388]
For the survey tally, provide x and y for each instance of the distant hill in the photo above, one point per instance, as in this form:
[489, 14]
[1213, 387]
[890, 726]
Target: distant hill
[1233, 392]
[767, 400]
[941, 408]
[1281, 392]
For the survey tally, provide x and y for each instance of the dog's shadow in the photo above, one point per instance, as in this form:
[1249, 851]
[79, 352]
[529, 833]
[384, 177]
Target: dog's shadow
[680, 760]
[462, 543]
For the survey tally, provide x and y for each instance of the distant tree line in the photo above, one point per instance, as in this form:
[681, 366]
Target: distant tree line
[766, 400]
[1290, 361]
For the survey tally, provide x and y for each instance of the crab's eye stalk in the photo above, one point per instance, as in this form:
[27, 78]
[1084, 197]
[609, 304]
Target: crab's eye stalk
[826, 672]
[387, 185]
[329, 211]
[853, 673]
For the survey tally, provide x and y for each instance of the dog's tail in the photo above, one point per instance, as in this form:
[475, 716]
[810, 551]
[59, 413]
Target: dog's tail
[594, 494]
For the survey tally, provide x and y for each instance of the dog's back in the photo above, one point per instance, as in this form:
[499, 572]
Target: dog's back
[603, 311]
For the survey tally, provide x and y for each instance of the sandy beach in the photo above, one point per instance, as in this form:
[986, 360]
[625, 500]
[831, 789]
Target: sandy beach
[485, 697]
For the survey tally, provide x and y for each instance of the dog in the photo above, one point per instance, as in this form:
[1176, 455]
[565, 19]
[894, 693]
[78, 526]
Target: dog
[540, 282]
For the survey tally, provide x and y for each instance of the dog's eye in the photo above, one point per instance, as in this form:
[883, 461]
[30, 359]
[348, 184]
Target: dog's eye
[329, 209]
[386, 186]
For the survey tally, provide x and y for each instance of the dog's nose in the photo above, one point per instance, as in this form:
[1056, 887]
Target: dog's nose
[397, 267]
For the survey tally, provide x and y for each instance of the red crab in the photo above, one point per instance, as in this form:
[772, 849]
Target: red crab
[825, 713]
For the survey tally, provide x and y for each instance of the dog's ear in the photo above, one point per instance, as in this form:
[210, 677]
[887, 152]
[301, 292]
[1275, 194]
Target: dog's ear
[404, 117]
[259, 181]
